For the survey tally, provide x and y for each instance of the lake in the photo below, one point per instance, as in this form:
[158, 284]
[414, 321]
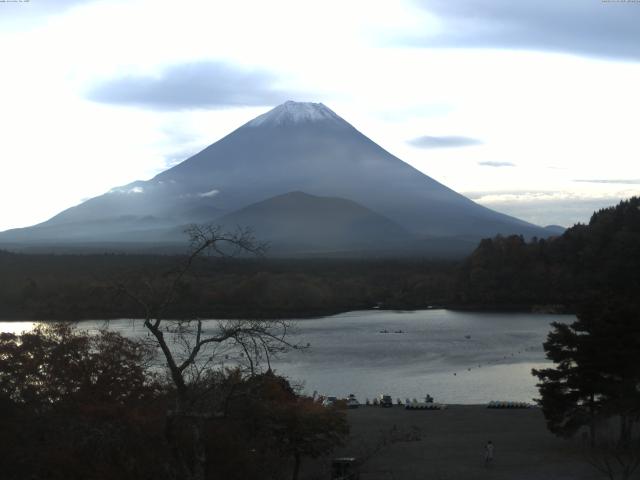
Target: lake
[456, 357]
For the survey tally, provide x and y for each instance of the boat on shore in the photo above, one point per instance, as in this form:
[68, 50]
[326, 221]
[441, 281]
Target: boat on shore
[507, 404]
[352, 401]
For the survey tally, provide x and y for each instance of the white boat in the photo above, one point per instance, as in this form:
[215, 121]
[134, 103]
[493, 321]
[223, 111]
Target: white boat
[352, 401]
[425, 406]
[329, 401]
[507, 404]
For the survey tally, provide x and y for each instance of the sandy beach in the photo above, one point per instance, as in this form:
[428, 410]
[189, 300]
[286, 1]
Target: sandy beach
[449, 445]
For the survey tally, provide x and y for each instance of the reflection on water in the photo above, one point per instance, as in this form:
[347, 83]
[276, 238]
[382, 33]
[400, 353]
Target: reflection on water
[457, 357]
[16, 327]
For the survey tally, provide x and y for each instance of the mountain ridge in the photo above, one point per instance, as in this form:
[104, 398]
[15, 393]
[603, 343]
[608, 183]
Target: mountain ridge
[294, 147]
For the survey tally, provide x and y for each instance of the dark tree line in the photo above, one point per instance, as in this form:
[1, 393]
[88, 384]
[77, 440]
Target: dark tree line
[595, 381]
[598, 259]
[82, 286]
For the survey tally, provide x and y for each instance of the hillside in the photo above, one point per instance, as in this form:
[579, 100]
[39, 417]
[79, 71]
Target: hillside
[602, 257]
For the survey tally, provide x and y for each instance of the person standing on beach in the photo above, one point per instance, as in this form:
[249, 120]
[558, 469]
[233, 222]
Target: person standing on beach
[488, 454]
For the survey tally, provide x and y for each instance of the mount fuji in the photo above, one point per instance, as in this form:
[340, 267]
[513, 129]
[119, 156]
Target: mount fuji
[300, 155]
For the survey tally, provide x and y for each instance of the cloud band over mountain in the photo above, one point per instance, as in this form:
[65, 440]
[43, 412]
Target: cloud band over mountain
[451, 141]
[496, 164]
[599, 28]
[192, 85]
[631, 181]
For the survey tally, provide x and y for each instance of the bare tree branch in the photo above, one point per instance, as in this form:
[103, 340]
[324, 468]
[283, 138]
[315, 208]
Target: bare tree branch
[183, 342]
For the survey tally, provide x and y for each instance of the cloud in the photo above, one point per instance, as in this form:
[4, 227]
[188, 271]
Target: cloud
[527, 196]
[633, 181]
[519, 196]
[549, 207]
[125, 189]
[452, 141]
[210, 193]
[206, 84]
[601, 28]
[175, 158]
[21, 14]
[21, 8]
[497, 164]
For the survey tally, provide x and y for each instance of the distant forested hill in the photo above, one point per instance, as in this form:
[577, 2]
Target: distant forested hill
[72, 287]
[603, 257]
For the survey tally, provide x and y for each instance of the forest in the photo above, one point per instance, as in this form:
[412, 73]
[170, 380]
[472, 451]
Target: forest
[503, 273]
[601, 258]
[85, 286]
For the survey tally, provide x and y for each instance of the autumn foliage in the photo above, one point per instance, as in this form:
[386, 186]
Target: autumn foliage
[75, 405]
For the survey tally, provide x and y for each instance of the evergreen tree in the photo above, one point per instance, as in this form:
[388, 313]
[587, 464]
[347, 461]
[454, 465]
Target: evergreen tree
[571, 392]
[597, 372]
[614, 326]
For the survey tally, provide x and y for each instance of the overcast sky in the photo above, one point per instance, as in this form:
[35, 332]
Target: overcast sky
[529, 107]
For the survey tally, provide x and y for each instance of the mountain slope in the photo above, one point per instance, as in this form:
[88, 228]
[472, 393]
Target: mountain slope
[299, 222]
[294, 147]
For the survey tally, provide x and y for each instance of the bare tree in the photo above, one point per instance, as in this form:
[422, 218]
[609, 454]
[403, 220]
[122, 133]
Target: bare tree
[616, 453]
[614, 459]
[189, 347]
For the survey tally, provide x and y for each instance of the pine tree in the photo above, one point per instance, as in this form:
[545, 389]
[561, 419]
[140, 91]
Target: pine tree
[571, 393]
[597, 372]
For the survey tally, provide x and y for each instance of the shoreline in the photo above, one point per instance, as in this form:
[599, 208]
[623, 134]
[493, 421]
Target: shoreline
[313, 314]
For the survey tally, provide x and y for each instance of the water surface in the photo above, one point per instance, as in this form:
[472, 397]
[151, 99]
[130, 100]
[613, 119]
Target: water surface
[456, 357]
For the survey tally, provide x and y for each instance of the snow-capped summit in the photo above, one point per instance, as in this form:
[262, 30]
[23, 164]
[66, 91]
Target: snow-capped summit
[290, 113]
